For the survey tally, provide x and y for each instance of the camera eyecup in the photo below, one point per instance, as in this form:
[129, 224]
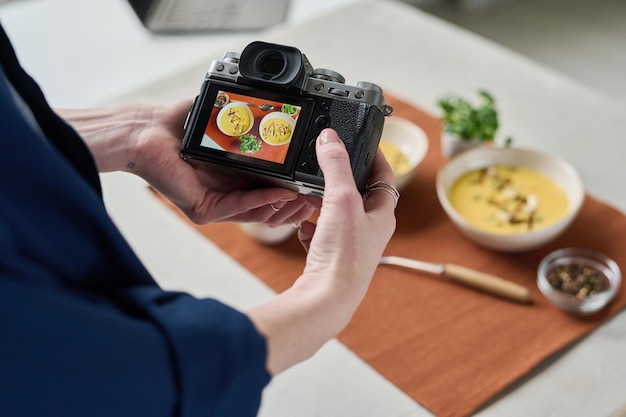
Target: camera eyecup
[272, 64]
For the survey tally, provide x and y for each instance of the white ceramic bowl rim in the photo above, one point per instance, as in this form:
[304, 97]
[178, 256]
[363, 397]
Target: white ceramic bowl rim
[231, 105]
[486, 156]
[406, 129]
[410, 139]
[277, 114]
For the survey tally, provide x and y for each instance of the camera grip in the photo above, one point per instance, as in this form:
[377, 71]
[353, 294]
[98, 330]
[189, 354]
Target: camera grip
[359, 125]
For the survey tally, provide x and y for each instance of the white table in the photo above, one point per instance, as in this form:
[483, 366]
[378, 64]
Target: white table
[418, 58]
[84, 52]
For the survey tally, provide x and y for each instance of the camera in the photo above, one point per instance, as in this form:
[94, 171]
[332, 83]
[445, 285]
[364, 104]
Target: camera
[259, 113]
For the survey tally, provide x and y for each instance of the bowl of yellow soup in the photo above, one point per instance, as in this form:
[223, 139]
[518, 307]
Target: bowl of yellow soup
[404, 145]
[510, 199]
[276, 128]
[235, 119]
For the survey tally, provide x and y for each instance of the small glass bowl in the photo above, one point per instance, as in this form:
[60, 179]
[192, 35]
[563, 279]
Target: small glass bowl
[608, 270]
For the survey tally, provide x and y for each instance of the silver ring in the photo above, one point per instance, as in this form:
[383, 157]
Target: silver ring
[274, 208]
[385, 186]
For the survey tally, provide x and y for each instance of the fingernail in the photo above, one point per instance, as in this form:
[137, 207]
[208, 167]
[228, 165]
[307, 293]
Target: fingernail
[302, 235]
[328, 136]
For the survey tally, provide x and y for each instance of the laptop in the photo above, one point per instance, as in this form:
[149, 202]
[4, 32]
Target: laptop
[171, 16]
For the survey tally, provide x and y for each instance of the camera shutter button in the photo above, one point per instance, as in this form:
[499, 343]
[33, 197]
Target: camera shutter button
[366, 85]
[232, 57]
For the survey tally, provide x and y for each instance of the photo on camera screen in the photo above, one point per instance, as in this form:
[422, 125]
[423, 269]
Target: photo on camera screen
[251, 126]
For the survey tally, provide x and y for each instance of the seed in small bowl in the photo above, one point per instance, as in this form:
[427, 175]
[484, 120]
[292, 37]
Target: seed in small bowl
[578, 280]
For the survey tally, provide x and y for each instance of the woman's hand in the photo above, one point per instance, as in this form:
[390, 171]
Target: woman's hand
[145, 140]
[343, 251]
[343, 248]
[351, 232]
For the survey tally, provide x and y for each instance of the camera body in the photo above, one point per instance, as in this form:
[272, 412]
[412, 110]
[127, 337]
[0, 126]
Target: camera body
[259, 113]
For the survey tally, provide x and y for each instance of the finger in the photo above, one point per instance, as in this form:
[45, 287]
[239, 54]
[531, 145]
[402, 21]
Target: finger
[313, 200]
[385, 194]
[302, 215]
[277, 207]
[251, 205]
[381, 170]
[257, 198]
[290, 212]
[297, 217]
[334, 163]
[305, 234]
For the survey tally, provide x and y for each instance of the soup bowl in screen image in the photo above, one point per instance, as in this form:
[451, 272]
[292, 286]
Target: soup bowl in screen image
[235, 119]
[277, 128]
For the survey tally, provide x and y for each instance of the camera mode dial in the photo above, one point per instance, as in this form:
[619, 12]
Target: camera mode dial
[232, 57]
[328, 75]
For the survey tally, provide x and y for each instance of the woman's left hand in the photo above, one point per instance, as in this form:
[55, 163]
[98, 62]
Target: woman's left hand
[145, 140]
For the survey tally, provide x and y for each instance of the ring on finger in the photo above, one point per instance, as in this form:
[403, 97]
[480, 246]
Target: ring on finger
[385, 186]
[274, 208]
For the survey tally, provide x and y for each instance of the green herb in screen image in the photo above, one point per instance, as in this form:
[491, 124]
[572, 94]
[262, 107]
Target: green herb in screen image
[289, 109]
[249, 144]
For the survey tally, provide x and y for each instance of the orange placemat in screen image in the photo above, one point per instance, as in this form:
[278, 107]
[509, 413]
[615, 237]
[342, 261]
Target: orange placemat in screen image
[449, 347]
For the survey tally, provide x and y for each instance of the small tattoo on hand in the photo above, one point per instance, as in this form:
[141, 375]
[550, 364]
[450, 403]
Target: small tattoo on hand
[130, 165]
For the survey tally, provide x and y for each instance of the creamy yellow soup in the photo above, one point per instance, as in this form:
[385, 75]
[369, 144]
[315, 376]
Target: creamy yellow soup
[397, 159]
[276, 130]
[235, 121]
[508, 200]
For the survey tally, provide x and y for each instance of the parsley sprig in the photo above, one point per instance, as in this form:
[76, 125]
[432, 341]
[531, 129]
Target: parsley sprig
[249, 144]
[468, 122]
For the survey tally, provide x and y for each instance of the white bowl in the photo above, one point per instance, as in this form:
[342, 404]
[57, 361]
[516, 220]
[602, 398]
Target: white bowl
[277, 115]
[555, 168]
[229, 106]
[411, 140]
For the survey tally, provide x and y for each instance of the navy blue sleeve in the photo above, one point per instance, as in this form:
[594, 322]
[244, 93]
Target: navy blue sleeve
[84, 328]
[67, 352]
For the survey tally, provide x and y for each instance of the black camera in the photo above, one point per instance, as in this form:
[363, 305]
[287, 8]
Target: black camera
[260, 112]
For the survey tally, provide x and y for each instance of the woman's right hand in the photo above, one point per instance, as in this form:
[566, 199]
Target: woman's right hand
[351, 232]
[344, 248]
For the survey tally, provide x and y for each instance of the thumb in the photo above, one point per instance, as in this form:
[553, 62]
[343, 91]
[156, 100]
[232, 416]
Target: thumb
[334, 161]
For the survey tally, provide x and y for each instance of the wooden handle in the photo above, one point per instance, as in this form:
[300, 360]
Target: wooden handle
[487, 283]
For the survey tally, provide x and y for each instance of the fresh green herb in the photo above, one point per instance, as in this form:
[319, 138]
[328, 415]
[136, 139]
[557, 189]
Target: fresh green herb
[289, 108]
[469, 122]
[249, 144]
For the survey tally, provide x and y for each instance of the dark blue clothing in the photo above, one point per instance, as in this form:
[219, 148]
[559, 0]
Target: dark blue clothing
[84, 329]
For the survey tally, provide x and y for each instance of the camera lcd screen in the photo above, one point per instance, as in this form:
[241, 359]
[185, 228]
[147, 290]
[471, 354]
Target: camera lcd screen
[250, 126]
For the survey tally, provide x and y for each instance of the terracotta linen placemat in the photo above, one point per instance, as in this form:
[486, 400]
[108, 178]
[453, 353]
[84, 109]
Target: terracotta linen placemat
[449, 347]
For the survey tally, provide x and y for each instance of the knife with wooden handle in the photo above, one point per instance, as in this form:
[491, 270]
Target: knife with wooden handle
[470, 277]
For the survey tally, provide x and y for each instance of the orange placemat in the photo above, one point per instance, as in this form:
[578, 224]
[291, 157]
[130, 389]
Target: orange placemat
[449, 347]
